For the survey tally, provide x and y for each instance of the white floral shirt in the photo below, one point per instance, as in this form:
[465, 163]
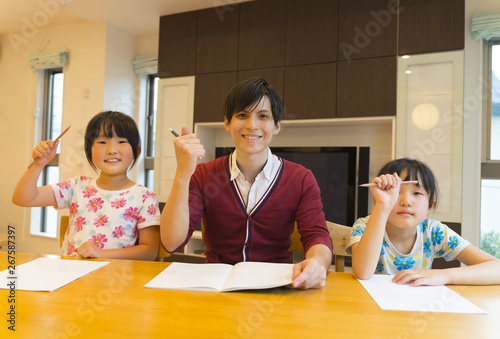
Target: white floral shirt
[434, 240]
[107, 219]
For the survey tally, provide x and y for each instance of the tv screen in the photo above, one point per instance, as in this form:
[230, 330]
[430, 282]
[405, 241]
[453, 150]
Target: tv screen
[335, 170]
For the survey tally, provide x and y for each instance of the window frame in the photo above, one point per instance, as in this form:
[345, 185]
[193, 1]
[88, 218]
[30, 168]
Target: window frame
[150, 116]
[47, 127]
[490, 169]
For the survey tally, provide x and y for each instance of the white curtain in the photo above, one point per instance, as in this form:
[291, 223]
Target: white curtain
[485, 25]
[49, 59]
[145, 64]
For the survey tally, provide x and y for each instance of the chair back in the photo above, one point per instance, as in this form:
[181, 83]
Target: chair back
[296, 245]
[162, 253]
[340, 235]
[63, 226]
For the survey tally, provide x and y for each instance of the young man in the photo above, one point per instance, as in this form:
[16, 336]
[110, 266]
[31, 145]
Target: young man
[251, 199]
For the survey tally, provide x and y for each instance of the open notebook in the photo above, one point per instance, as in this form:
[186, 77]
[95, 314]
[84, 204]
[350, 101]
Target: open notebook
[222, 277]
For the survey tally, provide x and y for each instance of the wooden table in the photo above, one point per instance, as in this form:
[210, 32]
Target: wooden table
[111, 303]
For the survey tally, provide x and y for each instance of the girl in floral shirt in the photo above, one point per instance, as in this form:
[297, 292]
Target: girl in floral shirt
[397, 238]
[111, 216]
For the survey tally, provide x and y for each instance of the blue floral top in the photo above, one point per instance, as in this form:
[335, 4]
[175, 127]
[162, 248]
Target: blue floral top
[434, 240]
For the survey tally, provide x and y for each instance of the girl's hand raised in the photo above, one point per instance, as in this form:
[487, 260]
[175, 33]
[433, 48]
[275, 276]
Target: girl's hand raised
[386, 189]
[44, 152]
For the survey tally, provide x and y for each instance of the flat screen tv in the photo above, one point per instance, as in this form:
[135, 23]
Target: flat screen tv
[336, 170]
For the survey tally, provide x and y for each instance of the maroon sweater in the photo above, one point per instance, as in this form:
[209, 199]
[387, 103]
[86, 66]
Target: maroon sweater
[232, 235]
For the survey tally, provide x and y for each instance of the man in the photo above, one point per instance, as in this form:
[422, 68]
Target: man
[251, 199]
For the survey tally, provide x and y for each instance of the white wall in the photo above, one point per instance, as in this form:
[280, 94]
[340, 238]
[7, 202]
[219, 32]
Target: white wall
[99, 64]
[473, 96]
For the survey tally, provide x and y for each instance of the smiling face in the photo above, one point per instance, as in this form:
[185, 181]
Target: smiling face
[112, 155]
[253, 128]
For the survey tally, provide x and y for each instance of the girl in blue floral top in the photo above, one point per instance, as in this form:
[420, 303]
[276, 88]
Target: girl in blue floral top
[111, 216]
[397, 238]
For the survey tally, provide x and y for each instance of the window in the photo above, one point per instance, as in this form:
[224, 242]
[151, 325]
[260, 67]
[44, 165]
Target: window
[149, 143]
[490, 168]
[52, 127]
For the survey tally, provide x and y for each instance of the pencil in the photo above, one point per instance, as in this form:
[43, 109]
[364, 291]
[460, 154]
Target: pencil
[403, 182]
[174, 133]
[59, 137]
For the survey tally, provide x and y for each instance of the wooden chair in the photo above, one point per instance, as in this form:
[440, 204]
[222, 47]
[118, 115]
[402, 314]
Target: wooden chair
[3, 241]
[63, 226]
[296, 245]
[296, 249]
[162, 253]
[340, 235]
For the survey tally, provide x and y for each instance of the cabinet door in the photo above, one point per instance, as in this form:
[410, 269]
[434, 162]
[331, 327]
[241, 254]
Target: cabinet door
[367, 88]
[210, 93]
[262, 34]
[177, 45]
[367, 29]
[310, 91]
[431, 26]
[175, 109]
[311, 31]
[217, 43]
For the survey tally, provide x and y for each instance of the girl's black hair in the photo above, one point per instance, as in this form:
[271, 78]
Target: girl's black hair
[248, 93]
[415, 170]
[109, 121]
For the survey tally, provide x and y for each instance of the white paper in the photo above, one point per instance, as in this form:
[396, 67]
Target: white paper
[222, 277]
[391, 296]
[44, 274]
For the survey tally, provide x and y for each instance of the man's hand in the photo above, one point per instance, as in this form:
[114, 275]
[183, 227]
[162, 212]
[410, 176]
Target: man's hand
[309, 274]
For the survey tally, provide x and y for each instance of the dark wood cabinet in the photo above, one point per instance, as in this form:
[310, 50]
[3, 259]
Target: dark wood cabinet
[367, 29]
[431, 26]
[310, 91]
[217, 42]
[262, 34]
[367, 88]
[326, 58]
[177, 45]
[209, 95]
[311, 31]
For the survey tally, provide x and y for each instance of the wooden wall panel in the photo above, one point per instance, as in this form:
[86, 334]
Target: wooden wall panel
[262, 34]
[209, 95]
[367, 88]
[431, 26]
[367, 29]
[310, 91]
[177, 45]
[311, 31]
[217, 42]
